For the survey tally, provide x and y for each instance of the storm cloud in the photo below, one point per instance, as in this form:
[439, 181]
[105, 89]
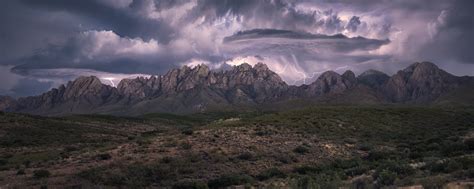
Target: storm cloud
[44, 43]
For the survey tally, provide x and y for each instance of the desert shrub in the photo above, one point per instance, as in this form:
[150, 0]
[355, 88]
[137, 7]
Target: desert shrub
[469, 142]
[301, 150]
[229, 180]
[20, 172]
[362, 183]
[71, 148]
[193, 157]
[284, 158]
[346, 163]
[270, 173]
[401, 169]
[321, 181]
[245, 156]
[41, 173]
[104, 156]
[452, 165]
[350, 140]
[263, 133]
[450, 148]
[365, 147]
[166, 159]
[466, 162]
[3, 162]
[385, 177]
[308, 169]
[358, 170]
[304, 182]
[377, 155]
[170, 143]
[190, 184]
[446, 166]
[186, 145]
[187, 132]
[435, 182]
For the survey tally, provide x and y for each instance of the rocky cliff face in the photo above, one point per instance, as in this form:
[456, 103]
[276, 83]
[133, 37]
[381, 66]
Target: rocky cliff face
[329, 83]
[419, 83]
[79, 95]
[258, 83]
[7, 103]
[197, 89]
[373, 78]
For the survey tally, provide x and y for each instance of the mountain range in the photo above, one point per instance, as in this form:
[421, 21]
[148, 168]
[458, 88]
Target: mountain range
[187, 90]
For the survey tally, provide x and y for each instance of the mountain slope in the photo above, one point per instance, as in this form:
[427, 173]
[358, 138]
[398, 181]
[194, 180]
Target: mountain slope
[187, 90]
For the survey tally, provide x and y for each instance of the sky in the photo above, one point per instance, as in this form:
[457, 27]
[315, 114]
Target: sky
[45, 43]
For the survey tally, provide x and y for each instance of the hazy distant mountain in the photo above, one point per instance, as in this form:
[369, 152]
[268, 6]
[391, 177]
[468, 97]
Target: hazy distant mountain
[195, 89]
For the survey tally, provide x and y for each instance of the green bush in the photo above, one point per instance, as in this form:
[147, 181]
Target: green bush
[469, 142]
[271, 173]
[434, 182]
[245, 156]
[229, 180]
[190, 184]
[450, 148]
[41, 173]
[401, 169]
[187, 132]
[186, 146]
[321, 181]
[301, 150]
[20, 172]
[3, 162]
[309, 169]
[365, 147]
[104, 156]
[305, 182]
[385, 178]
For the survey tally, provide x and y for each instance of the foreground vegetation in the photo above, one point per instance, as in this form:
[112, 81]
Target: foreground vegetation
[320, 147]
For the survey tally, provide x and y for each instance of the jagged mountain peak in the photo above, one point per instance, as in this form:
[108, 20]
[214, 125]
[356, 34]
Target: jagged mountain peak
[421, 66]
[328, 74]
[183, 89]
[85, 85]
[349, 75]
[373, 78]
[372, 72]
[85, 81]
[261, 67]
[420, 82]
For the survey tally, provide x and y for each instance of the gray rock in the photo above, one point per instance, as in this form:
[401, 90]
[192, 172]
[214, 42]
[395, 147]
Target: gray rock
[419, 83]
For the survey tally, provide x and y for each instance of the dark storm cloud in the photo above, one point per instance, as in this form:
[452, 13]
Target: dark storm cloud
[42, 38]
[279, 14]
[125, 22]
[259, 38]
[274, 33]
[354, 22]
[30, 86]
[452, 34]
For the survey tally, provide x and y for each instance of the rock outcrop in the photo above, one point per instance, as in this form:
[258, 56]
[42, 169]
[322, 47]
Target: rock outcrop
[199, 89]
[329, 83]
[373, 78]
[419, 83]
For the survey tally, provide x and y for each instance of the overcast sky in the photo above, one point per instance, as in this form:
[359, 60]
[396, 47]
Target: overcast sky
[44, 43]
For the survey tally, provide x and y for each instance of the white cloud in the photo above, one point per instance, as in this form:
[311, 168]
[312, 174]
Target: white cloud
[95, 44]
[8, 79]
[434, 26]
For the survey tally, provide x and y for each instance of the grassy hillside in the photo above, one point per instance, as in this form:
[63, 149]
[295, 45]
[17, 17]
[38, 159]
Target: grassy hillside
[320, 147]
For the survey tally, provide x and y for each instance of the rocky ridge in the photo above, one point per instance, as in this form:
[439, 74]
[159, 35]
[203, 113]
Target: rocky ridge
[199, 89]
